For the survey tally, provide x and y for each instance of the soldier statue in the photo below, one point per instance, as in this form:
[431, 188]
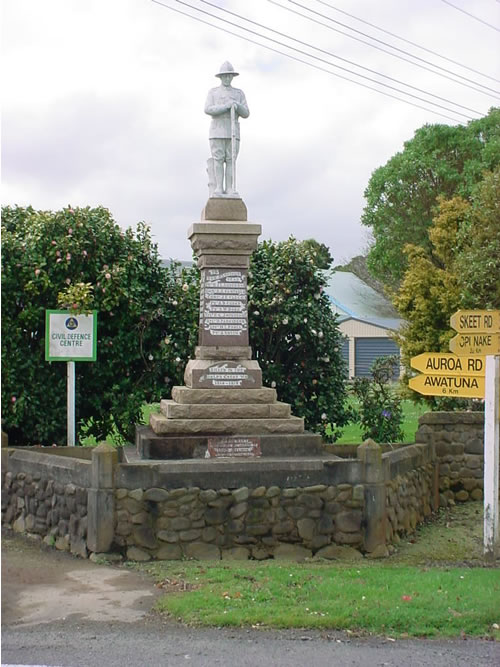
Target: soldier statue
[225, 104]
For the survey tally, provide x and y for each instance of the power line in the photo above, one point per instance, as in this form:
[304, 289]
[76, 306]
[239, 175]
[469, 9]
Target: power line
[459, 9]
[374, 46]
[300, 60]
[408, 41]
[309, 55]
[350, 62]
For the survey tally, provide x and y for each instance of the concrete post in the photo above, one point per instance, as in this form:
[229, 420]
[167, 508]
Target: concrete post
[375, 516]
[101, 499]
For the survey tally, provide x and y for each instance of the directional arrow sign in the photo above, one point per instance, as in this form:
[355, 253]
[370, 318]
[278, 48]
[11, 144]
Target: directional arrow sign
[442, 363]
[473, 344]
[472, 321]
[464, 386]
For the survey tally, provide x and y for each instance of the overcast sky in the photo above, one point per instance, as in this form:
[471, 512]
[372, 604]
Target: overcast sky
[103, 105]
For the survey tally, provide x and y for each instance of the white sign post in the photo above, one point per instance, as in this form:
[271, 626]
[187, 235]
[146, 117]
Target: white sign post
[70, 338]
[491, 456]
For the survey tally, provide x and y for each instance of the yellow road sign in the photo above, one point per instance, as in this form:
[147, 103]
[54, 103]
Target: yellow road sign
[444, 363]
[474, 344]
[473, 321]
[463, 386]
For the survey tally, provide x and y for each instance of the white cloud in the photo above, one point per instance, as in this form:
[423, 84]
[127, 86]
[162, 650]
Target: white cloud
[103, 104]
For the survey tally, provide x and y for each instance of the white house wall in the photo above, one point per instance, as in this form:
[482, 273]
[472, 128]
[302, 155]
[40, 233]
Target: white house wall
[353, 329]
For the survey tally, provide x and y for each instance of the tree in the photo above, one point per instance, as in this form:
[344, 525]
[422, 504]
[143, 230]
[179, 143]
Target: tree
[402, 196]
[142, 341]
[294, 333]
[460, 269]
[478, 264]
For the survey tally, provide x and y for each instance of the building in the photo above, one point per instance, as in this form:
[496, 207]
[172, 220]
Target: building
[366, 319]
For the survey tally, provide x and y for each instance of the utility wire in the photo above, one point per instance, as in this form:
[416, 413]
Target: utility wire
[471, 15]
[292, 48]
[350, 62]
[300, 60]
[408, 41]
[395, 55]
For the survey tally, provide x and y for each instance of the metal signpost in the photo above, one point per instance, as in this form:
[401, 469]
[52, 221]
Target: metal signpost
[473, 371]
[70, 338]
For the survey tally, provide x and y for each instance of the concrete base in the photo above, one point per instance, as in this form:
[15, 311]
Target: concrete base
[150, 445]
[173, 410]
[225, 208]
[214, 396]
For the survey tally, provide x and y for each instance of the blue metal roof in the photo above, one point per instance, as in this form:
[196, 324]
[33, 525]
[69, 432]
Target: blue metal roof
[354, 299]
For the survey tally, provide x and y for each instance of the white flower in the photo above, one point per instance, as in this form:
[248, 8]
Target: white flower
[177, 359]
[185, 287]
[167, 340]
[305, 320]
[285, 320]
[320, 334]
[150, 357]
[174, 303]
[326, 359]
[273, 384]
[317, 295]
[256, 312]
[323, 416]
[297, 336]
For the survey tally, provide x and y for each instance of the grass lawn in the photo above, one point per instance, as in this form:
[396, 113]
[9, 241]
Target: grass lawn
[351, 434]
[433, 586]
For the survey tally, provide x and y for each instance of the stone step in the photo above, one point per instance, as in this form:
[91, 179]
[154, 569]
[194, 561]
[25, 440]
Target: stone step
[173, 410]
[185, 395]
[161, 425]
[176, 446]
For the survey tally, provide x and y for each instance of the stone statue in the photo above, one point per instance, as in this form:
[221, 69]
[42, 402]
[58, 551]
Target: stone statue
[225, 104]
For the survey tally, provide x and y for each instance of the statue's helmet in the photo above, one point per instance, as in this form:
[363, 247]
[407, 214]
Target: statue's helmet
[227, 68]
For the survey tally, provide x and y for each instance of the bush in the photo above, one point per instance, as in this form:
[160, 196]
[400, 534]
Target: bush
[380, 412]
[294, 333]
[142, 342]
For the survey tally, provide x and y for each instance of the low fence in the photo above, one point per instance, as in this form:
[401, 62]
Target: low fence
[218, 508]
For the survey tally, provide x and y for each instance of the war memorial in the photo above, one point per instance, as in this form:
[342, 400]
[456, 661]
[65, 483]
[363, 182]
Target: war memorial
[225, 470]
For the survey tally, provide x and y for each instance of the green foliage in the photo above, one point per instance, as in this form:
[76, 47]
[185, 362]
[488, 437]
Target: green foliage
[380, 411]
[402, 195]
[81, 257]
[294, 333]
[478, 263]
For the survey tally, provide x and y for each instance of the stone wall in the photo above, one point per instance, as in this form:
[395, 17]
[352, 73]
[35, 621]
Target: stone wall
[458, 439]
[47, 498]
[256, 508]
[240, 523]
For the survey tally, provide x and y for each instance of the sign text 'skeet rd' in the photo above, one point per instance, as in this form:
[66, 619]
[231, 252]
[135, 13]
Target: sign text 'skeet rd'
[464, 386]
[472, 344]
[474, 321]
[443, 363]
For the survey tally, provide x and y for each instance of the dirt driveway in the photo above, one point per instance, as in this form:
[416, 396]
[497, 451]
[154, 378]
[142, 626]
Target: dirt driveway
[41, 585]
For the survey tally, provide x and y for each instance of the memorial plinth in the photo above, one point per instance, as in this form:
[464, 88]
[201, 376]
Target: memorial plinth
[223, 394]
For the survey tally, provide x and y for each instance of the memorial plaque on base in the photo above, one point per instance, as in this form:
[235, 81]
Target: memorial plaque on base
[233, 446]
[227, 374]
[223, 307]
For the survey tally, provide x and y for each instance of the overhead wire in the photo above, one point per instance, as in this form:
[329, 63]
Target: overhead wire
[394, 55]
[459, 9]
[300, 60]
[350, 62]
[322, 60]
[407, 41]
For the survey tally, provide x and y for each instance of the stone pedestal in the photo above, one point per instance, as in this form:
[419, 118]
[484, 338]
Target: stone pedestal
[223, 393]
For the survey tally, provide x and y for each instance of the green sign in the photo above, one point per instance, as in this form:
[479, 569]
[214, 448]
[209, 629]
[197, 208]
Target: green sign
[70, 337]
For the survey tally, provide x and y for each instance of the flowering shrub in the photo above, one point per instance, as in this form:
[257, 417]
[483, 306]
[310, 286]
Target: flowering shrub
[380, 412]
[146, 327]
[294, 333]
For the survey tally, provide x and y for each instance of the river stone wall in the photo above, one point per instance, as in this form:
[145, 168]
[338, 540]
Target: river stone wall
[409, 501]
[458, 439]
[43, 501]
[242, 523]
